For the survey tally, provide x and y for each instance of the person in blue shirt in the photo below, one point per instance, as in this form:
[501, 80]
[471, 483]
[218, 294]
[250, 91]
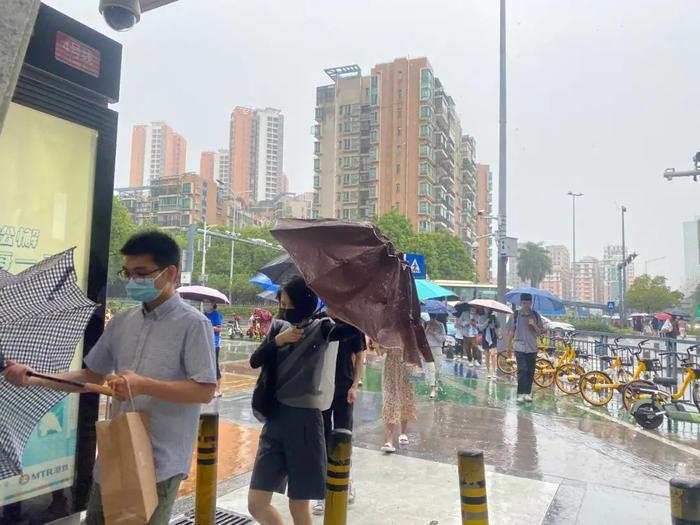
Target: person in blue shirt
[217, 322]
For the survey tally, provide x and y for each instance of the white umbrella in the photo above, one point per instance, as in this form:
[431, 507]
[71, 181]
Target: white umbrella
[491, 305]
[202, 293]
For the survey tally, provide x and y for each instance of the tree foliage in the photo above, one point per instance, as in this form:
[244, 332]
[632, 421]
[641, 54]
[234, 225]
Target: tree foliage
[446, 256]
[534, 263]
[651, 294]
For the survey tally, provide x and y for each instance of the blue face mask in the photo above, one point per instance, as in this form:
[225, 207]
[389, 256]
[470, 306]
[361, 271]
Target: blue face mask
[143, 289]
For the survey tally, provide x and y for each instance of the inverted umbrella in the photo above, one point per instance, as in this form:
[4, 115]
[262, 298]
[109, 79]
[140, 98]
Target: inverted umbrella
[202, 293]
[430, 290]
[43, 317]
[361, 277]
[264, 282]
[543, 302]
[280, 269]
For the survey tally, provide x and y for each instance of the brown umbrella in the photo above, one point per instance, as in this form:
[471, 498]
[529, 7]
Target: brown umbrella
[361, 277]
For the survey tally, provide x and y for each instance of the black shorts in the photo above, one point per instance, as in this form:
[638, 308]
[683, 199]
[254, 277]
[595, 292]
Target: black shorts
[338, 416]
[292, 454]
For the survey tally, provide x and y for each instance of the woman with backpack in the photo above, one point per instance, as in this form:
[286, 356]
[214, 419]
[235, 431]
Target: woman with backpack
[490, 330]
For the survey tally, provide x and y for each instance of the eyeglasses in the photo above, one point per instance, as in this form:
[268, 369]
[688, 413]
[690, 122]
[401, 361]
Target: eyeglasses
[126, 274]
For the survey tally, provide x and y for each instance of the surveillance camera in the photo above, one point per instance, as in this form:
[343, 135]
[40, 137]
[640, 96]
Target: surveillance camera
[668, 173]
[120, 15]
[481, 212]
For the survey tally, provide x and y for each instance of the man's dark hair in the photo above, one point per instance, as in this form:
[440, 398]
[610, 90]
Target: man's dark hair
[302, 297]
[161, 246]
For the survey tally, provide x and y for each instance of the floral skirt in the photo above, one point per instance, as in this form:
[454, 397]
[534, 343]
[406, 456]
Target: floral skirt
[397, 391]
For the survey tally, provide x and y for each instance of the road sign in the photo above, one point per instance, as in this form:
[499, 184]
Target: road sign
[185, 277]
[611, 305]
[417, 263]
[508, 247]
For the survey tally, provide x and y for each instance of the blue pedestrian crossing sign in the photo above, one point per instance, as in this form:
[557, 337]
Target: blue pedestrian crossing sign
[611, 305]
[417, 263]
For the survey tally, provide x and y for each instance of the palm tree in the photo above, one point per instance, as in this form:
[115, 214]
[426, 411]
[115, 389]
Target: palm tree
[533, 263]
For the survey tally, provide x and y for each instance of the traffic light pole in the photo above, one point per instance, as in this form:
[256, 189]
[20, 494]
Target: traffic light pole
[502, 160]
[623, 284]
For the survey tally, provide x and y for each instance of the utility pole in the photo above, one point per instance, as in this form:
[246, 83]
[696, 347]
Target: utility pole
[573, 246]
[623, 275]
[502, 160]
[230, 269]
[203, 276]
[646, 263]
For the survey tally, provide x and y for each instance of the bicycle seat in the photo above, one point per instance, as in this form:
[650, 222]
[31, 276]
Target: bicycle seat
[666, 381]
[653, 365]
[580, 355]
[606, 358]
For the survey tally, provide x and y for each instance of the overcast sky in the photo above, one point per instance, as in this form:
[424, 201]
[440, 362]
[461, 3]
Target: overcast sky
[602, 96]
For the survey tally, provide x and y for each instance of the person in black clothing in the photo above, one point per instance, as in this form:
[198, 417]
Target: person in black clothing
[348, 374]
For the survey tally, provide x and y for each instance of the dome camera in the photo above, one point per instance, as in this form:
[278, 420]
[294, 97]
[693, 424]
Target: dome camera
[120, 15]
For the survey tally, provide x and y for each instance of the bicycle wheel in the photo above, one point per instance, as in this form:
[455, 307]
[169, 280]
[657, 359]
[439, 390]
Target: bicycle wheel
[631, 392]
[647, 417]
[544, 373]
[596, 387]
[506, 363]
[567, 378]
[696, 394]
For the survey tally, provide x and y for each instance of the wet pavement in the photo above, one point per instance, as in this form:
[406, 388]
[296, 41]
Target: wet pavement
[602, 467]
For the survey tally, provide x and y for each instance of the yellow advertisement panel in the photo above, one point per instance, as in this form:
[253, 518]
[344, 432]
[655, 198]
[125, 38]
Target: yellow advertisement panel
[47, 171]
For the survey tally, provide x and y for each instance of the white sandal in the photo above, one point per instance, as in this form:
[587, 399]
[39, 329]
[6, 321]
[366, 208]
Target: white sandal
[388, 448]
[403, 439]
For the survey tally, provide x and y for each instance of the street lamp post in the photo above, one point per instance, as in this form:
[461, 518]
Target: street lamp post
[646, 263]
[623, 274]
[502, 158]
[573, 244]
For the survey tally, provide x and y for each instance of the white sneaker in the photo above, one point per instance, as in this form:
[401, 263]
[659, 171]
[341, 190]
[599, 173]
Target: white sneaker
[520, 398]
[388, 448]
[351, 493]
[528, 398]
[319, 508]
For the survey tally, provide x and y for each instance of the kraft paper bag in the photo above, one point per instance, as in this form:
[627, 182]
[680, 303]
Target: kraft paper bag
[127, 470]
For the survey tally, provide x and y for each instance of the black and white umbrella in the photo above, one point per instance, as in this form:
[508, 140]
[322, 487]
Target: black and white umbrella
[43, 315]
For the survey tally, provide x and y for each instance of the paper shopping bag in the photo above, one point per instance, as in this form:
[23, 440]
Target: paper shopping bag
[127, 470]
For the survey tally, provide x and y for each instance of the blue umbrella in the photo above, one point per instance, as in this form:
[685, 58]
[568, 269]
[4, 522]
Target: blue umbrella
[429, 290]
[431, 306]
[543, 302]
[264, 282]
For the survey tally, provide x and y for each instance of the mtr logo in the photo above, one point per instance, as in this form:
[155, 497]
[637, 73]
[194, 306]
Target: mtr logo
[43, 474]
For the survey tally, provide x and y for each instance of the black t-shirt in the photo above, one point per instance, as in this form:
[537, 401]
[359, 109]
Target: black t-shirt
[352, 343]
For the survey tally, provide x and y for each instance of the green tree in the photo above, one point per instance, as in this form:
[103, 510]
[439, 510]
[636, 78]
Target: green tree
[695, 300]
[533, 263]
[652, 294]
[446, 256]
[122, 228]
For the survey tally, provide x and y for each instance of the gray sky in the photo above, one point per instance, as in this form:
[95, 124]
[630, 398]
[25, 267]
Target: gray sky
[601, 95]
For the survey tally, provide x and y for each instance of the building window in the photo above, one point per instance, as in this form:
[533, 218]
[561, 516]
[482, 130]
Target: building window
[347, 127]
[347, 162]
[424, 208]
[398, 188]
[317, 164]
[424, 188]
[373, 136]
[424, 226]
[317, 181]
[426, 169]
[317, 148]
[347, 144]
[426, 131]
[398, 169]
[373, 155]
[372, 191]
[187, 187]
[374, 117]
[372, 210]
[426, 150]
[372, 173]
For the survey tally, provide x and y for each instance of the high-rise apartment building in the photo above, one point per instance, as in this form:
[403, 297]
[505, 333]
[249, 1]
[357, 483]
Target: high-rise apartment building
[558, 281]
[157, 151]
[467, 197]
[389, 140]
[215, 167]
[589, 280]
[484, 226]
[612, 257]
[691, 253]
[513, 279]
[256, 146]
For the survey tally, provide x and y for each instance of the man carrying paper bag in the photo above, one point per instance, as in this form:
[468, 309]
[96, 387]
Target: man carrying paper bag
[163, 355]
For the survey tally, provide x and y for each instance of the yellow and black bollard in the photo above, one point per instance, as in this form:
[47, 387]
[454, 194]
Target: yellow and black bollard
[205, 489]
[338, 477]
[472, 487]
[685, 501]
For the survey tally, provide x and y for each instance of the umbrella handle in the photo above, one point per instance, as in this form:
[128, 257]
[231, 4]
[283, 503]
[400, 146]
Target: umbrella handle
[99, 389]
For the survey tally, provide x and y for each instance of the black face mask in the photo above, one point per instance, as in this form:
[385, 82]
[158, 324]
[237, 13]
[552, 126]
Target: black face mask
[291, 315]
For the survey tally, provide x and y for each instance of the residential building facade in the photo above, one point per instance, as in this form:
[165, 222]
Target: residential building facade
[157, 151]
[589, 280]
[215, 167]
[388, 140]
[612, 257]
[484, 226]
[558, 281]
[256, 144]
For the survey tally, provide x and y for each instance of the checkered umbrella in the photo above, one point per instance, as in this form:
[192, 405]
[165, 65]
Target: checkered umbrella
[43, 315]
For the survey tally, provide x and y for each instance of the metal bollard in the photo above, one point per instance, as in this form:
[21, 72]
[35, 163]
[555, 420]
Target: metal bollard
[685, 501]
[338, 478]
[205, 485]
[472, 487]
